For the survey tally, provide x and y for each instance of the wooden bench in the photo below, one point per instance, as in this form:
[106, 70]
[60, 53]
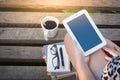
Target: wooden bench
[21, 36]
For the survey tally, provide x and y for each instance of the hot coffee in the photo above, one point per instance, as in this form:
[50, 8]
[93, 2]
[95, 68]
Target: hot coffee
[50, 24]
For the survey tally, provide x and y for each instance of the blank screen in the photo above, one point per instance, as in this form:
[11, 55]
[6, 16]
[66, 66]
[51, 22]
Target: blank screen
[84, 32]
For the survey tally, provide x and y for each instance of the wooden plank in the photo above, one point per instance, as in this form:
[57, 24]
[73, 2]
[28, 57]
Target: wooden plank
[35, 35]
[21, 62]
[20, 52]
[62, 4]
[69, 76]
[36, 17]
[27, 36]
[112, 34]
[23, 73]
[19, 55]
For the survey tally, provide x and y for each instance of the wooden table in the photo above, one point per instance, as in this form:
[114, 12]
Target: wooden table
[21, 36]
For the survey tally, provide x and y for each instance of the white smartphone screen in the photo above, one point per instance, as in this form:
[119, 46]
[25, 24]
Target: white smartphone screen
[84, 32]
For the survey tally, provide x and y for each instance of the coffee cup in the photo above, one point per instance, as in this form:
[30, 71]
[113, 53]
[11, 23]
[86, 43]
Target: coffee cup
[49, 25]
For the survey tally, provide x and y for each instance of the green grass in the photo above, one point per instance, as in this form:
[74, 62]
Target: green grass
[74, 11]
[70, 11]
[5, 9]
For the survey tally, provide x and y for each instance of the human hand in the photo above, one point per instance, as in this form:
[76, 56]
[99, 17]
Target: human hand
[112, 45]
[79, 62]
[75, 54]
[113, 50]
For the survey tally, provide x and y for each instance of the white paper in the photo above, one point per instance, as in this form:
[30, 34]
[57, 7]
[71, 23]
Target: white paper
[50, 56]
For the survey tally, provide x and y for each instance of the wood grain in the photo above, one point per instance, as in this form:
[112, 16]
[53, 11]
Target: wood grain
[20, 52]
[36, 17]
[35, 35]
[23, 73]
[21, 55]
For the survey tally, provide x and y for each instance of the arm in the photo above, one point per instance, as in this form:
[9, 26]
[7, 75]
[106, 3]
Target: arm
[78, 61]
[100, 57]
[112, 68]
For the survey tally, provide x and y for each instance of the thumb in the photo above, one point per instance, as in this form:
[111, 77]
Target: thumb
[108, 58]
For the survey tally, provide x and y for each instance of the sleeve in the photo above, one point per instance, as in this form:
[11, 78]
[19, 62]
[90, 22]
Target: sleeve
[112, 69]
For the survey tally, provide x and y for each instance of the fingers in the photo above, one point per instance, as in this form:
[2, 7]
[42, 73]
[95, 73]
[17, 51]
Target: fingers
[73, 49]
[111, 51]
[75, 46]
[117, 49]
[112, 45]
[108, 58]
[72, 43]
[67, 43]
